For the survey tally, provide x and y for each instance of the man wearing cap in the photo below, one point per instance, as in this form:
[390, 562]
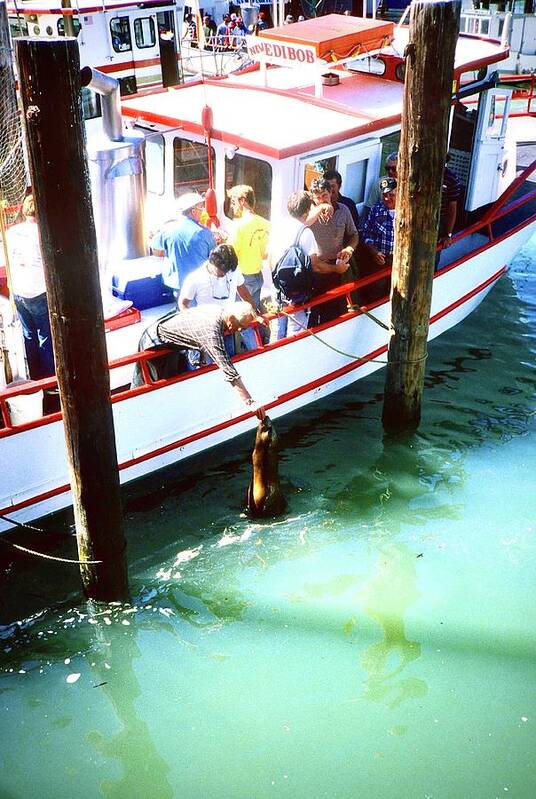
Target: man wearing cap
[378, 238]
[391, 171]
[184, 242]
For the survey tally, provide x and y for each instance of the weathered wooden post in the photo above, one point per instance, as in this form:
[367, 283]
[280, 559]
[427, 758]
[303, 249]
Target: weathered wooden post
[427, 99]
[49, 72]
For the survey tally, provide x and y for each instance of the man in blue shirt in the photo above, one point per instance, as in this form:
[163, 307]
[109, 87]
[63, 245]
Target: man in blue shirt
[185, 242]
[378, 238]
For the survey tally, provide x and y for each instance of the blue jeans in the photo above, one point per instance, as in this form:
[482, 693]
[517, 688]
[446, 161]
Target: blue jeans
[283, 327]
[253, 283]
[33, 314]
[194, 356]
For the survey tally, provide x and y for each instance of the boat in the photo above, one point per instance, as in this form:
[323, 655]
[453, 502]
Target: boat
[294, 128]
[141, 44]
[514, 20]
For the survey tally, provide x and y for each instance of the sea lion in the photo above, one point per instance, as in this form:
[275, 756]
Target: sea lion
[264, 497]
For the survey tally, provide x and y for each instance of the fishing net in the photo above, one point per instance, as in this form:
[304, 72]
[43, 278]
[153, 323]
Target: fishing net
[13, 175]
[13, 185]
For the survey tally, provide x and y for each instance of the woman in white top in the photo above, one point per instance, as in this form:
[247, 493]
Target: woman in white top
[28, 284]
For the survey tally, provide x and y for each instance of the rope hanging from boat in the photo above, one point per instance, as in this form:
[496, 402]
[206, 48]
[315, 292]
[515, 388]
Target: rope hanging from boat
[34, 551]
[349, 355]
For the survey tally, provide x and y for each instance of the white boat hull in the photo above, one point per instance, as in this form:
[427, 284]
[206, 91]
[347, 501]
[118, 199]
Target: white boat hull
[163, 425]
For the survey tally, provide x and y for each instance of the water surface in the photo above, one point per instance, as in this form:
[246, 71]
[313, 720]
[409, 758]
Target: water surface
[377, 642]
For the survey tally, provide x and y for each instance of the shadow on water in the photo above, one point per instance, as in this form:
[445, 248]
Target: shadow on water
[112, 659]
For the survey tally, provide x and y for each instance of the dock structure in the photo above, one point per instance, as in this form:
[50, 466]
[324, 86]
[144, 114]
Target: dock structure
[50, 88]
[423, 146]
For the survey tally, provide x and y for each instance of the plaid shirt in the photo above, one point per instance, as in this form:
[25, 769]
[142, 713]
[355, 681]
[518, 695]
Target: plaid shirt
[199, 328]
[378, 229]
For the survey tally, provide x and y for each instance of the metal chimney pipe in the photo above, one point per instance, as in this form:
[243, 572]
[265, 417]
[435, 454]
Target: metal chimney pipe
[507, 30]
[108, 88]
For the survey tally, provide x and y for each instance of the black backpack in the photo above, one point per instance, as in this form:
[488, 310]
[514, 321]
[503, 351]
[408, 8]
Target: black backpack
[293, 275]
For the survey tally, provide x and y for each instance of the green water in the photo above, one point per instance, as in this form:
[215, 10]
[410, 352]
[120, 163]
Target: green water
[378, 642]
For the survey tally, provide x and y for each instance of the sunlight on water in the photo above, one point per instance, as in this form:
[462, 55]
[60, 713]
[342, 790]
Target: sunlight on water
[378, 641]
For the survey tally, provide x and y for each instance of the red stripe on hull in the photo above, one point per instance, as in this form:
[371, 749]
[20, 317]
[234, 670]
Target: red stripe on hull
[280, 401]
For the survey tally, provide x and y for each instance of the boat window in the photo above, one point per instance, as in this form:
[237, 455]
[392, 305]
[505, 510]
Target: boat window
[76, 26]
[91, 104]
[18, 26]
[190, 166]
[154, 159]
[373, 65]
[120, 31]
[144, 32]
[355, 180]
[245, 170]
[315, 169]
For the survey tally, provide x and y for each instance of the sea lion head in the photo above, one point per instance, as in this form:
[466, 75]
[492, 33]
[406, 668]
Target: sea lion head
[266, 435]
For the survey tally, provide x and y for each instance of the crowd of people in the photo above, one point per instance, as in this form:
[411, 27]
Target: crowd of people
[234, 269]
[222, 279]
[227, 35]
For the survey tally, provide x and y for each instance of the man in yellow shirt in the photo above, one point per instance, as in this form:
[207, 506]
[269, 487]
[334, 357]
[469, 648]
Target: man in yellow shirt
[249, 236]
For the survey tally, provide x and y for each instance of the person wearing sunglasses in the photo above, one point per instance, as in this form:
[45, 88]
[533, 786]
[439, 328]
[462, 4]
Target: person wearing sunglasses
[216, 282]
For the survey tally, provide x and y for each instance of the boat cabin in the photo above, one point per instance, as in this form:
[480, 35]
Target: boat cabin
[275, 130]
[137, 43]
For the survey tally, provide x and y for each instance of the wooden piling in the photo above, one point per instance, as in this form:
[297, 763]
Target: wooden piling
[49, 73]
[430, 52]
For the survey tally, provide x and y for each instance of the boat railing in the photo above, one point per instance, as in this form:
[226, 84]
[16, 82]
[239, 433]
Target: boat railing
[498, 211]
[216, 55]
[7, 426]
[525, 91]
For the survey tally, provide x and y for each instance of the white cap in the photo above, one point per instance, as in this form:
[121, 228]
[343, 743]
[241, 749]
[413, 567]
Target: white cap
[189, 200]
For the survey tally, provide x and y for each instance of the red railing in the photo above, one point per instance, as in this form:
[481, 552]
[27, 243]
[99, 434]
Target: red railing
[499, 209]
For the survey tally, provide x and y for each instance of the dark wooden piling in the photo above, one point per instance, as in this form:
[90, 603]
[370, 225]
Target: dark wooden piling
[49, 73]
[427, 99]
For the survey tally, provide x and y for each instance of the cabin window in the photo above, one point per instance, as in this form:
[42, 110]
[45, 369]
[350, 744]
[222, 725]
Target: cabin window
[242, 170]
[190, 166]
[355, 180]
[154, 159]
[91, 104]
[18, 27]
[373, 65]
[144, 32]
[120, 31]
[316, 169]
[76, 26]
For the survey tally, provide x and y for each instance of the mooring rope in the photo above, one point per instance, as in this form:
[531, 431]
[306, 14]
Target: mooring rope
[34, 552]
[349, 355]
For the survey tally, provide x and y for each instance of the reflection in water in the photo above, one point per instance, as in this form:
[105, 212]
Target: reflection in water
[145, 772]
[387, 597]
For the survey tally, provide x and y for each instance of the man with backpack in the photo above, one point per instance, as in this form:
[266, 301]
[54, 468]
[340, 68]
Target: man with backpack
[294, 260]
